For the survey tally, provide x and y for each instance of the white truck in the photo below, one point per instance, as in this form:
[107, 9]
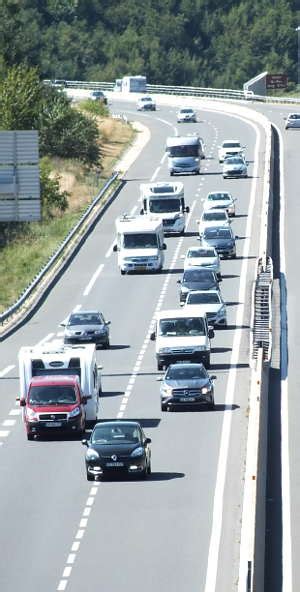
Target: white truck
[140, 243]
[166, 201]
[53, 358]
[131, 84]
[182, 336]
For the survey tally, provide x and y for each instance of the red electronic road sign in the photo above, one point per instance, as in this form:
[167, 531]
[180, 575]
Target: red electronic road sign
[276, 81]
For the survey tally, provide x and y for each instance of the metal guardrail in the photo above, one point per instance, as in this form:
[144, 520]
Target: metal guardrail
[57, 254]
[194, 91]
[261, 326]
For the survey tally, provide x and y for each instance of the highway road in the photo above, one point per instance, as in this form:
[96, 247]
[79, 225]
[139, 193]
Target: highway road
[180, 529]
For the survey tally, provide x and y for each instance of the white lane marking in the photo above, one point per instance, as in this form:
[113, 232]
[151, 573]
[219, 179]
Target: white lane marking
[67, 570]
[4, 433]
[6, 370]
[93, 280]
[134, 209]
[155, 174]
[47, 338]
[75, 309]
[15, 411]
[218, 507]
[163, 158]
[287, 574]
[8, 423]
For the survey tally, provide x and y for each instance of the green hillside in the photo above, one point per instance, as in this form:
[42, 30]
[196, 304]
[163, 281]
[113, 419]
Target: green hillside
[219, 43]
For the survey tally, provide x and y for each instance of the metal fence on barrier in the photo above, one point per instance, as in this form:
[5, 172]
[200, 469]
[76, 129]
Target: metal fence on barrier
[261, 326]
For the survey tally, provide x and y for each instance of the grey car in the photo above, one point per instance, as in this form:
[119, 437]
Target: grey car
[187, 385]
[222, 239]
[87, 326]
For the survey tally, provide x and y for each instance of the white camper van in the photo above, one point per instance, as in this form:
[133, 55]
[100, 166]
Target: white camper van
[132, 84]
[56, 359]
[140, 243]
[184, 154]
[166, 201]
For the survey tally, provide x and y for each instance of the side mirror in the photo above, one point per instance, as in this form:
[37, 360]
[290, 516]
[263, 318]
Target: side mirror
[84, 400]
[115, 248]
[22, 402]
[153, 336]
[178, 282]
[211, 332]
[62, 324]
[159, 379]
[99, 367]
[148, 440]
[182, 256]
[198, 221]
[84, 442]
[213, 377]
[285, 118]
[164, 247]
[220, 279]
[236, 237]
[187, 209]
[107, 322]
[142, 212]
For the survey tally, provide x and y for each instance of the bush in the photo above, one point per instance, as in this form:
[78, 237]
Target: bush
[51, 197]
[95, 107]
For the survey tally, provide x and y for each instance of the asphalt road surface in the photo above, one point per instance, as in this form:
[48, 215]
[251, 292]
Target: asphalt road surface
[178, 530]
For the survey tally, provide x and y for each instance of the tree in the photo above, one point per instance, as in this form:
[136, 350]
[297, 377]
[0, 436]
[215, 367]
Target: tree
[20, 97]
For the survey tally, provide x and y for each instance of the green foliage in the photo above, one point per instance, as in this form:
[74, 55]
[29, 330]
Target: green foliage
[196, 42]
[20, 96]
[95, 107]
[52, 198]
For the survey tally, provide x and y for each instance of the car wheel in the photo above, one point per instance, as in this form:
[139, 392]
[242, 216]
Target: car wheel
[171, 173]
[144, 473]
[122, 272]
[211, 406]
[149, 468]
[106, 345]
[163, 407]
[90, 477]
[160, 366]
[30, 436]
[207, 362]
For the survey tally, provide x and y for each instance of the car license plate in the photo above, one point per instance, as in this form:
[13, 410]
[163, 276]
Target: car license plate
[115, 464]
[53, 424]
[187, 399]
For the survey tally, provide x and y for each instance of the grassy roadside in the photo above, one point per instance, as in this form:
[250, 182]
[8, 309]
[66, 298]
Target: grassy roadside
[25, 247]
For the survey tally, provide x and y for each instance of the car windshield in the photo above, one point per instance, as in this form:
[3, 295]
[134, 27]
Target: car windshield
[186, 372]
[218, 196]
[140, 241]
[186, 111]
[214, 216]
[231, 145]
[203, 298]
[234, 160]
[116, 434]
[85, 319]
[52, 395]
[294, 116]
[181, 327]
[201, 253]
[197, 275]
[217, 233]
[160, 206]
[184, 151]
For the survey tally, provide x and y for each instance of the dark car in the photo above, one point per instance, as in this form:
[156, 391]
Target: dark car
[117, 447]
[222, 239]
[187, 384]
[197, 279]
[98, 95]
[87, 326]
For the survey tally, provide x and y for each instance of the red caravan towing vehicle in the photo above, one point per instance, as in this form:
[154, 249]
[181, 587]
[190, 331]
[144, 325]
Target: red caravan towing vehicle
[54, 403]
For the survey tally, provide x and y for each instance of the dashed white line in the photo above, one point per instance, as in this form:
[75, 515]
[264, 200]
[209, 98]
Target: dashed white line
[6, 370]
[155, 173]
[93, 280]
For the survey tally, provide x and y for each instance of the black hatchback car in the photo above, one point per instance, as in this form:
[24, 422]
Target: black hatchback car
[117, 447]
[197, 279]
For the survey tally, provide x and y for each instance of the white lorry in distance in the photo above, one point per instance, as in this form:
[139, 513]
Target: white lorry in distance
[166, 201]
[131, 84]
[184, 154]
[53, 358]
[140, 243]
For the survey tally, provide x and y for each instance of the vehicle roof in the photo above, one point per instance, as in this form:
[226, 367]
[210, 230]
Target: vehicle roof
[202, 248]
[231, 141]
[188, 364]
[205, 292]
[83, 312]
[187, 107]
[167, 188]
[218, 228]
[180, 140]
[178, 313]
[219, 193]
[138, 223]
[54, 380]
[57, 350]
[117, 422]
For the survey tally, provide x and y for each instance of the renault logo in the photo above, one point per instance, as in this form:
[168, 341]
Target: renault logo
[114, 457]
[52, 417]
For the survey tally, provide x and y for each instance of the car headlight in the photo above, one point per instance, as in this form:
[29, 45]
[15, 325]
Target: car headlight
[69, 333]
[101, 330]
[200, 348]
[31, 415]
[164, 350]
[166, 390]
[184, 290]
[137, 452]
[196, 159]
[206, 389]
[75, 412]
[91, 454]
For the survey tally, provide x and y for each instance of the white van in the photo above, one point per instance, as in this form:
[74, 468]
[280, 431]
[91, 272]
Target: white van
[56, 359]
[134, 84]
[184, 154]
[166, 201]
[180, 336]
[140, 243]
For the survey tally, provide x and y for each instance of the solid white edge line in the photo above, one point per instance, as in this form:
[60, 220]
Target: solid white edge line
[287, 574]
[218, 506]
[93, 280]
